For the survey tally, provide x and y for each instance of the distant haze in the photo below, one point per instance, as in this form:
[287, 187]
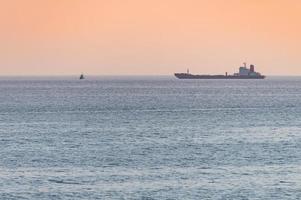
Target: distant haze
[149, 37]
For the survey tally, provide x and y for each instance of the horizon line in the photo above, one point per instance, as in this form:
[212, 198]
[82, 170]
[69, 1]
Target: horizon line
[112, 75]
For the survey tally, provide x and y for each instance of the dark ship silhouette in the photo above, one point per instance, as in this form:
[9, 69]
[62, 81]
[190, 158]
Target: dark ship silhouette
[81, 77]
[244, 73]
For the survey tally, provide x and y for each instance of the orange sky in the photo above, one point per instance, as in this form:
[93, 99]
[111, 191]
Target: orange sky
[123, 37]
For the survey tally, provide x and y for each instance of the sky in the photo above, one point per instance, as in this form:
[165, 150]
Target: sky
[149, 37]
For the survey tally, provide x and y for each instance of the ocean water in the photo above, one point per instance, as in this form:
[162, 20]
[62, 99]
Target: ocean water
[150, 138]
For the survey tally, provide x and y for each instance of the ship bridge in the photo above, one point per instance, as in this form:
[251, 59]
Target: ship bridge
[244, 71]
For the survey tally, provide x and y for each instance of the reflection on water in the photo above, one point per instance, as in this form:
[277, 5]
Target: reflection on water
[150, 138]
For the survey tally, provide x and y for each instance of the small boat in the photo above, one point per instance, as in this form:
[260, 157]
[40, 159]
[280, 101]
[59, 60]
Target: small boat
[81, 77]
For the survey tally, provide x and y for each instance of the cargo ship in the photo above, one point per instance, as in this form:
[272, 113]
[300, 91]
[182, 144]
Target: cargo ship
[244, 73]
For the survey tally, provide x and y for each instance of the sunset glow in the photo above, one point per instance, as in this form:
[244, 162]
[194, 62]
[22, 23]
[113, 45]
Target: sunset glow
[141, 37]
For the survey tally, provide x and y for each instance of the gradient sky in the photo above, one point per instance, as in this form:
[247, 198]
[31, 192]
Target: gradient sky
[132, 37]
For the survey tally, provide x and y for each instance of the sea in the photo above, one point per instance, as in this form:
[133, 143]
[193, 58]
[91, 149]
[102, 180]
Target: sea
[149, 137]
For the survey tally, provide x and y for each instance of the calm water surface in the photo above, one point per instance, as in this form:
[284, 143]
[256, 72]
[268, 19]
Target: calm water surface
[150, 138]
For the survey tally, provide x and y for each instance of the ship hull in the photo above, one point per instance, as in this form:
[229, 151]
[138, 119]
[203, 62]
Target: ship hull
[191, 76]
